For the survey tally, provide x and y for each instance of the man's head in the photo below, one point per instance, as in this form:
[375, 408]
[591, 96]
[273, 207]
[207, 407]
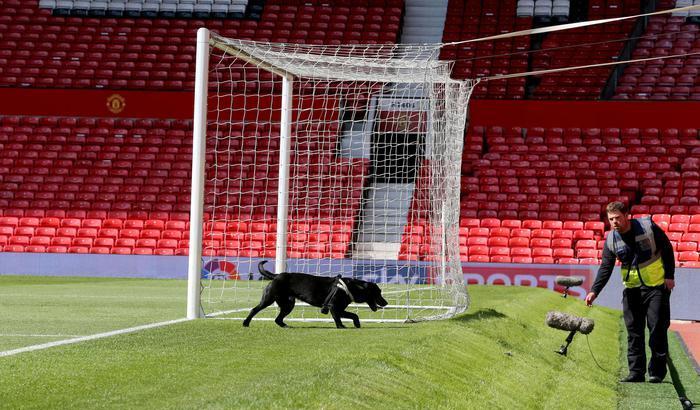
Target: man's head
[618, 216]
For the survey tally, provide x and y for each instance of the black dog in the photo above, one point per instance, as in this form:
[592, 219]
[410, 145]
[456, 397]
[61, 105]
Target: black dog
[334, 294]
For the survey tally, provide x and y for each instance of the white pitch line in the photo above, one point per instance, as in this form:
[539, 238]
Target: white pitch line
[43, 296]
[32, 335]
[90, 337]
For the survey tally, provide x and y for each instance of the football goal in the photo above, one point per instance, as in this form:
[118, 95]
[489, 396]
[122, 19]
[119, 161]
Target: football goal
[327, 160]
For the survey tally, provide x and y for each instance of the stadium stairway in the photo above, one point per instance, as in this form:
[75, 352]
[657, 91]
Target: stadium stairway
[423, 22]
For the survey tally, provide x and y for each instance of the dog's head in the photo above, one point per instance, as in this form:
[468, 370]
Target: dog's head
[369, 293]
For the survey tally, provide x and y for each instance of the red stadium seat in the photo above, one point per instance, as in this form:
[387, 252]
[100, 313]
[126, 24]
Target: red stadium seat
[688, 256]
[562, 253]
[477, 240]
[498, 241]
[518, 242]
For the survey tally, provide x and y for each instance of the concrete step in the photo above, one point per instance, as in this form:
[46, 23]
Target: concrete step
[355, 143]
[379, 236]
[376, 247]
[424, 21]
[381, 227]
[425, 11]
[371, 250]
[378, 213]
[422, 3]
[422, 39]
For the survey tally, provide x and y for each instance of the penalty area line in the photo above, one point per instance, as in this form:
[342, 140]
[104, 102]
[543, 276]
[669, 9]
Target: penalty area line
[89, 337]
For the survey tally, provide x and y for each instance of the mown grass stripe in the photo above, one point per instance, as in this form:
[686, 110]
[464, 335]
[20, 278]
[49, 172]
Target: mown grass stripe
[88, 338]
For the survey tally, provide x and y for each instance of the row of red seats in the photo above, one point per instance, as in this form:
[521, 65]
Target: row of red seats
[668, 78]
[482, 240]
[565, 49]
[163, 249]
[469, 20]
[41, 50]
[120, 181]
[54, 124]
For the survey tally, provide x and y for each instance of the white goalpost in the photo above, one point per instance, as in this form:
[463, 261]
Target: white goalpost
[326, 160]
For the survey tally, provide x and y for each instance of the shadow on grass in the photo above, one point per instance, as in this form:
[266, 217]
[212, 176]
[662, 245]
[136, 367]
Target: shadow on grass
[480, 315]
[678, 384]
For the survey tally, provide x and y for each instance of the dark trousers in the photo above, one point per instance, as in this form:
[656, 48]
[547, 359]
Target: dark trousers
[648, 307]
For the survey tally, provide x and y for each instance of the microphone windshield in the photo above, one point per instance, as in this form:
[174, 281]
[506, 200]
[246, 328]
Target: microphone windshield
[586, 325]
[565, 321]
[568, 280]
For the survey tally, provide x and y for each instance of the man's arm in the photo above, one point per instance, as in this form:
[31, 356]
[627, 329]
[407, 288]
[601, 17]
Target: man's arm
[606, 267]
[663, 244]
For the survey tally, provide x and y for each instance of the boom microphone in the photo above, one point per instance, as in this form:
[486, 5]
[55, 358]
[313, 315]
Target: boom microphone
[570, 323]
[567, 282]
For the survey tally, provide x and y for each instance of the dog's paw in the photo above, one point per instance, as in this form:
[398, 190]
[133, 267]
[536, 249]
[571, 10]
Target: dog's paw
[246, 324]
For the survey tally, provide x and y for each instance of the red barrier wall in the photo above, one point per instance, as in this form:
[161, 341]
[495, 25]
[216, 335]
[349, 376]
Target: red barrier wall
[507, 113]
[592, 114]
[143, 104]
[96, 103]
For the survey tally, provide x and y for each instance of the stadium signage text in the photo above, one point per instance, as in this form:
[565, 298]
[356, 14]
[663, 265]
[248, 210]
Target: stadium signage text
[542, 276]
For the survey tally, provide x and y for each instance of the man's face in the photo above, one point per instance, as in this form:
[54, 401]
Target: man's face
[619, 221]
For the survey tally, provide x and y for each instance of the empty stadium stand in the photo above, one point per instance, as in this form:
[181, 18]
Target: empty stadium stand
[537, 195]
[468, 20]
[581, 47]
[669, 78]
[529, 194]
[102, 185]
[40, 49]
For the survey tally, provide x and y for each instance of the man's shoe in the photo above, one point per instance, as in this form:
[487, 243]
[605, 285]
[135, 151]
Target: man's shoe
[655, 379]
[633, 378]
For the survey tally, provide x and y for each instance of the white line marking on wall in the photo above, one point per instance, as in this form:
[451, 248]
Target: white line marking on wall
[90, 337]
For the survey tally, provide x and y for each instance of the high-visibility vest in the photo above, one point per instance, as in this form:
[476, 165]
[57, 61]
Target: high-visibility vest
[643, 265]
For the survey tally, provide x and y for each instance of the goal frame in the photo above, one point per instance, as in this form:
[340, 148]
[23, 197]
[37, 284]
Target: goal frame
[195, 261]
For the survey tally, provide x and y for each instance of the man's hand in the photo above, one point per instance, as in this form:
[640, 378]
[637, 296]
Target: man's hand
[670, 284]
[590, 298]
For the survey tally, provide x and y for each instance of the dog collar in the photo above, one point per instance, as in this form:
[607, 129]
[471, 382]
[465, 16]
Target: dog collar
[343, 286]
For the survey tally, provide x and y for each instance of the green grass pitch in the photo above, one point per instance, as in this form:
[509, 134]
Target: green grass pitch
[497, 355]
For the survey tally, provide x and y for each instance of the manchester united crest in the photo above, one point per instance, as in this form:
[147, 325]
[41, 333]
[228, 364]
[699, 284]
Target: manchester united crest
[116, 103]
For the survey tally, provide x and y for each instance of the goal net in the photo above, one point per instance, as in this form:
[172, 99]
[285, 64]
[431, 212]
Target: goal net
[327, 160]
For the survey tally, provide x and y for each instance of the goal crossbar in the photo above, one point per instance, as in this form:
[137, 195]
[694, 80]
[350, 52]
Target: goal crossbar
[309, 61]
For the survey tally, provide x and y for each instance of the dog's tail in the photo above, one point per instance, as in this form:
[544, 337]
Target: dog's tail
[266, 273]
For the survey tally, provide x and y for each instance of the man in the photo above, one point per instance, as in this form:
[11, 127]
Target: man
[648, 267]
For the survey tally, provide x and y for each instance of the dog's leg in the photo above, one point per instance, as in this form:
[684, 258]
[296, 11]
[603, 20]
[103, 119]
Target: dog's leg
[286, 306]
[350, 315]
[337, 313]
[266, 301]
